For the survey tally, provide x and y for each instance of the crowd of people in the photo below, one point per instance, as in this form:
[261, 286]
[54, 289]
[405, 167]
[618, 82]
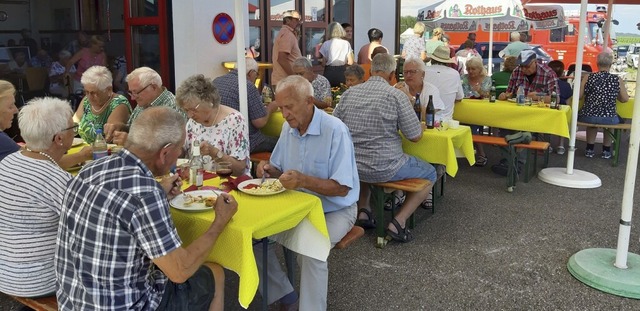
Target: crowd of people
[105, 237]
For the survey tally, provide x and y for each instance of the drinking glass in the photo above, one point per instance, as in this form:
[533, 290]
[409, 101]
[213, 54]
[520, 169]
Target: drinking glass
[223, 169]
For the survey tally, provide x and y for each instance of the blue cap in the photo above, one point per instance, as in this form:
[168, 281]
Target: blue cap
[526, 57]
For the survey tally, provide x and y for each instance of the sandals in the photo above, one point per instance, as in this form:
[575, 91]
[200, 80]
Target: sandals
[403, 235]
[481, 161]
[368, 223]
[427, 203]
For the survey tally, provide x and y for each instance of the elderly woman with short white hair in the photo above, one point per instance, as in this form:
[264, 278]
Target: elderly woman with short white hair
[336, 54]
[33, 188]
[415, 45]
[321, 86]
[100, 104]
[222, 131]
[416, 88]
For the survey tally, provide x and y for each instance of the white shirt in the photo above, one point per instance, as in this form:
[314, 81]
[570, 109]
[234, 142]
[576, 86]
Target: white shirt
[430, 89]
[336, 51]
[447, 81]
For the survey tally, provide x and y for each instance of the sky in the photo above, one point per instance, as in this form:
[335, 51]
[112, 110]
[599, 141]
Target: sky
[627, 15]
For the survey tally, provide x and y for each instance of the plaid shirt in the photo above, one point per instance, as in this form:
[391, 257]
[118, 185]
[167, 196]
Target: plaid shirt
[374, 111]
[166, 99]
[114, 220]
[227, 86]
[545, 81]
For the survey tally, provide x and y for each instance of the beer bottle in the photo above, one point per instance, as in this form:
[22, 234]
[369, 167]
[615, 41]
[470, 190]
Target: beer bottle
[431, 113]
[416, 106]
[492, 94]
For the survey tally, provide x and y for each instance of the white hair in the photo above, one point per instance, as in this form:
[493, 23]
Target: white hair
[145, 76]
[515, 36]
[99, 76]
[41, 119]
[156, 127]
[383, 62]
[418, 62]
[301, 87]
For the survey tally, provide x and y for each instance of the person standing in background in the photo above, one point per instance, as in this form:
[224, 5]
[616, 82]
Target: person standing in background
[336, 54]
[285, 46]
[375, 40]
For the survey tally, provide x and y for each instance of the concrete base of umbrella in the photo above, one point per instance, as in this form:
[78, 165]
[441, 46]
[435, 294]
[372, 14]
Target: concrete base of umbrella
[578, 180]
[595, 267]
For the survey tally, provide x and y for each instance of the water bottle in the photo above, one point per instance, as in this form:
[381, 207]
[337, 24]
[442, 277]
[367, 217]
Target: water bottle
[100, 149]
[416, 106]
[520, 95]
[267, 95]
[492, 93]
[431, 113]
[196, 167]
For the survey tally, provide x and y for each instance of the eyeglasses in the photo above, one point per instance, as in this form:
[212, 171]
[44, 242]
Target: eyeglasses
[192, 110]
[92, 93]
[410, 71]
[74, 128]
[136, 93]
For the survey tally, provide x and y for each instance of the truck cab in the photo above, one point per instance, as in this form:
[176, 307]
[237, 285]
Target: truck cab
[632, 55]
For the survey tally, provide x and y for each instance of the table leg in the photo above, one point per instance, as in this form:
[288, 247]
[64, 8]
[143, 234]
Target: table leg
[265, 254]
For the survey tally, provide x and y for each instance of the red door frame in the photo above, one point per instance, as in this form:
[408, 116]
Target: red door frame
[162, 22]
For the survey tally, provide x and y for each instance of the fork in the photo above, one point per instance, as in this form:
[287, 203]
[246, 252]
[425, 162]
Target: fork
[263, 178]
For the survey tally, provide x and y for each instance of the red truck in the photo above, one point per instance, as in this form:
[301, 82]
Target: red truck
[561, 43]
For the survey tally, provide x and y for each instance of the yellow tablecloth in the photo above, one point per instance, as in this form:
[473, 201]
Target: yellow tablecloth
[439, 147]
[508, 115]
[274, 125]
[292, 218]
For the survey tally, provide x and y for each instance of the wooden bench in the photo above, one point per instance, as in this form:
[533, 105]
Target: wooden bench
[39, 304]
[616, 135]
[379, 197]
[531, 167]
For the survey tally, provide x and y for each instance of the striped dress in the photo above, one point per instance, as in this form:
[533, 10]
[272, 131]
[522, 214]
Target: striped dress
[30, 201]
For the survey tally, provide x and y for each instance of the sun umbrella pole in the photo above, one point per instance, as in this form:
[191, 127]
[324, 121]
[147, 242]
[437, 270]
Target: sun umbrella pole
[241, 65]
[629, 184]
[490, 61]
[577, 80]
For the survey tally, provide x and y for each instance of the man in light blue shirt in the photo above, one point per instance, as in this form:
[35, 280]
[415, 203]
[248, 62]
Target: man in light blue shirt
[314, 154]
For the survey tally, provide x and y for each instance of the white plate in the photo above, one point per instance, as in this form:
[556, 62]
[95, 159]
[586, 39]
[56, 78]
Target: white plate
[77, 142]
[257, 181]
[178, 201]
[513, 100]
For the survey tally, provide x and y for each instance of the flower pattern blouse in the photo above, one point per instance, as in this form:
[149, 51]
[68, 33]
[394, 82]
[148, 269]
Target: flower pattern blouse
[90, 122]
[485, 86]
[231, 136]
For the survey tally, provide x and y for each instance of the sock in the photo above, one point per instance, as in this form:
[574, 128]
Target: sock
[606, 148]
[591, 146]
[289, 298]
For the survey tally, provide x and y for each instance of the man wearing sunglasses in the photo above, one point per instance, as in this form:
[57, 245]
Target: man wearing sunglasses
[145, 87]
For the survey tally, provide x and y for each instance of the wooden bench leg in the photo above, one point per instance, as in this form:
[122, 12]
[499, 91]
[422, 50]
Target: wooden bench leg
[617, 136]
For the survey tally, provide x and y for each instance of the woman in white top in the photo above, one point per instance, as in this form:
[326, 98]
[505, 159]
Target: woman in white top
[336, 54]
[31, 197]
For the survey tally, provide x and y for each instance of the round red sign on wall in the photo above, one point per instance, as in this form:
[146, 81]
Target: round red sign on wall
[223, 28]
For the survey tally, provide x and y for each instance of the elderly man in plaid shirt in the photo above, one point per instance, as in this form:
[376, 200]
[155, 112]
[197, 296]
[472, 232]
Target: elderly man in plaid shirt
[117, 246]
[374, 111]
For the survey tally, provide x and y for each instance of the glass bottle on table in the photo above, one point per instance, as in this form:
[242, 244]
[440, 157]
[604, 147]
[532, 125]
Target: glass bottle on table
[99, 146]
[520, 95]
[416, 106]
[196, 168]
[267, 95]
[431, 113]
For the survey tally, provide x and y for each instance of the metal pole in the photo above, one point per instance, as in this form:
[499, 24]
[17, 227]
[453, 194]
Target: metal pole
[241, 22]
[629, 184]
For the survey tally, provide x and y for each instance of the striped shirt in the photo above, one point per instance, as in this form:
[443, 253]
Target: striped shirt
[374, 111]
[166, 99]
[30, 201]
[114, 220]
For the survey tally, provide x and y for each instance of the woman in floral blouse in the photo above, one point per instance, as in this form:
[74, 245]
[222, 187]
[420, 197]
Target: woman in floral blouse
[222, 131]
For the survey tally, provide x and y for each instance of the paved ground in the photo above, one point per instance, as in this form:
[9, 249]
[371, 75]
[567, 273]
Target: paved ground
[484, 248]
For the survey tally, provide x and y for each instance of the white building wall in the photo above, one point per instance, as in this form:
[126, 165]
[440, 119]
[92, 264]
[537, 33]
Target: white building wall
[195, 49]
[379, 14]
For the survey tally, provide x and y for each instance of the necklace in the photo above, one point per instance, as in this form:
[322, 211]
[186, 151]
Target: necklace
[213, 122]
[104, 106]
[43, 154]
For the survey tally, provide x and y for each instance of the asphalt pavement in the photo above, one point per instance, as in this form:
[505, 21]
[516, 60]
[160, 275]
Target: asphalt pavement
[484, 248]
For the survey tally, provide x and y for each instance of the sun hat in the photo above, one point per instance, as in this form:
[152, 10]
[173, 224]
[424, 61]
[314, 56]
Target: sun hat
[526, 57]
[442, 54]
[291, 13]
